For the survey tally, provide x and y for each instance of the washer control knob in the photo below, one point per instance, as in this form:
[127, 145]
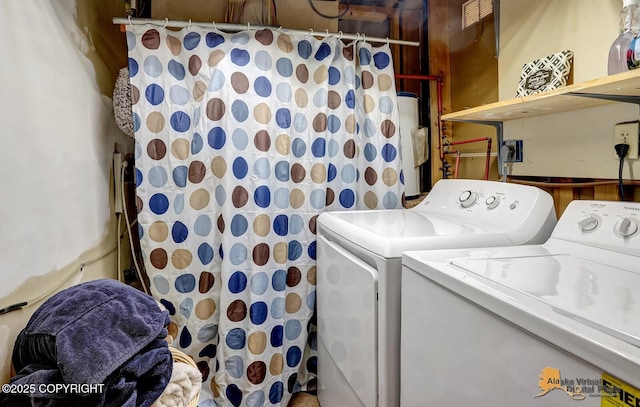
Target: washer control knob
[625, 227]
[467, 199]
[588, 223]
[492, 202]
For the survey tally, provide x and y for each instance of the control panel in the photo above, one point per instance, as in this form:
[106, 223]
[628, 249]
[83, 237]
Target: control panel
[507, 207]
[603, 224]
[456, 197]
[470, 198]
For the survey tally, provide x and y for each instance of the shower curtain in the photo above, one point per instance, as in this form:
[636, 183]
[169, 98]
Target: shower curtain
[241, 141]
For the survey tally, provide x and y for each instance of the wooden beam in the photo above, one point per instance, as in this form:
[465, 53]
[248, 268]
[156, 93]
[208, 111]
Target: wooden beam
[371, 16]
[361, 8]
[562, 197]
[411, 4]
[394, 32]
[606, 193]
[439, 64]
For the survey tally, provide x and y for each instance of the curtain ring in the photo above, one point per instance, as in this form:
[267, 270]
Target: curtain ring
[309, 33]
[130, 22]
[387, 41]
[166, 22]
[340, 35]
[248, 26]
[215, 27]
[279, 29]
[189, 26]
[326, 33]
[364, 38]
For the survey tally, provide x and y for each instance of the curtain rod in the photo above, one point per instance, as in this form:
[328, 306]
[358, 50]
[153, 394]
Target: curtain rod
[241, 27]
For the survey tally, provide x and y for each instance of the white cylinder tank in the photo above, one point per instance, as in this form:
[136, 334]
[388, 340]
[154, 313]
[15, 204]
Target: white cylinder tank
[409, 121]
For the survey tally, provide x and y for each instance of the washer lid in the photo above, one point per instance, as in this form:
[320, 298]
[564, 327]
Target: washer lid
[390, 232]
[393, 223]
[602, 296]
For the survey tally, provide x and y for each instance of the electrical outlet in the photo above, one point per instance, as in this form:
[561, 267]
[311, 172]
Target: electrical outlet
[515, 151]
[628, 133]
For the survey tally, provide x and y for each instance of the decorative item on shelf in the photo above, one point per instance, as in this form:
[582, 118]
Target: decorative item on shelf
[544, 74]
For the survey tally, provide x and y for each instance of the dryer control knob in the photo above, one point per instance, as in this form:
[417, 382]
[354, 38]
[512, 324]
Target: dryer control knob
[588, 223]
[492, 202]
[625, 227]
[467, 199]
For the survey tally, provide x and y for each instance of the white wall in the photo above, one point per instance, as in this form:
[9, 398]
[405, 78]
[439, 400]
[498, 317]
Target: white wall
[534, 29]
[575, 144]
[57, 136]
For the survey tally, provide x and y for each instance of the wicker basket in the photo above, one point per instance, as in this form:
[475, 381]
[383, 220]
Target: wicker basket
[181, 357]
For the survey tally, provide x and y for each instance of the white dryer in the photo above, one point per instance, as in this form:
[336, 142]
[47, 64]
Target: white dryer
[359, 257]
[529, 326]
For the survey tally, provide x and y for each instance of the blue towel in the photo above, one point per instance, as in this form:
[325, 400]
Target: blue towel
[100, 332]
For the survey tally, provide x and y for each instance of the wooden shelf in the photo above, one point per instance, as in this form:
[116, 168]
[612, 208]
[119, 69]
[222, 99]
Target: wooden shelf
[623, 87]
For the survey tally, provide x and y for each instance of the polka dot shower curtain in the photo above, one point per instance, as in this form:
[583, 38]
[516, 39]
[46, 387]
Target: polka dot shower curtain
[241, 141]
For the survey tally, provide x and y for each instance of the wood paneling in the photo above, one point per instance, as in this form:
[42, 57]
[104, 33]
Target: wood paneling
[293, 14]
[196, 10]
[439, 64]
[411, 28]
[563, 196]
[296, 14]
[606, 193]
[566, 190]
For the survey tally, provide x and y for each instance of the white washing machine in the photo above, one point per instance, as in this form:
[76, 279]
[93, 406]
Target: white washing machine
[359, 256]
[529, 326]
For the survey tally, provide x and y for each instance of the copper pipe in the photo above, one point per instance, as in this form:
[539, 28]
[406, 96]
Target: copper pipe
[455, 172]
[486, 165]
[475, 140]
[418, 77]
